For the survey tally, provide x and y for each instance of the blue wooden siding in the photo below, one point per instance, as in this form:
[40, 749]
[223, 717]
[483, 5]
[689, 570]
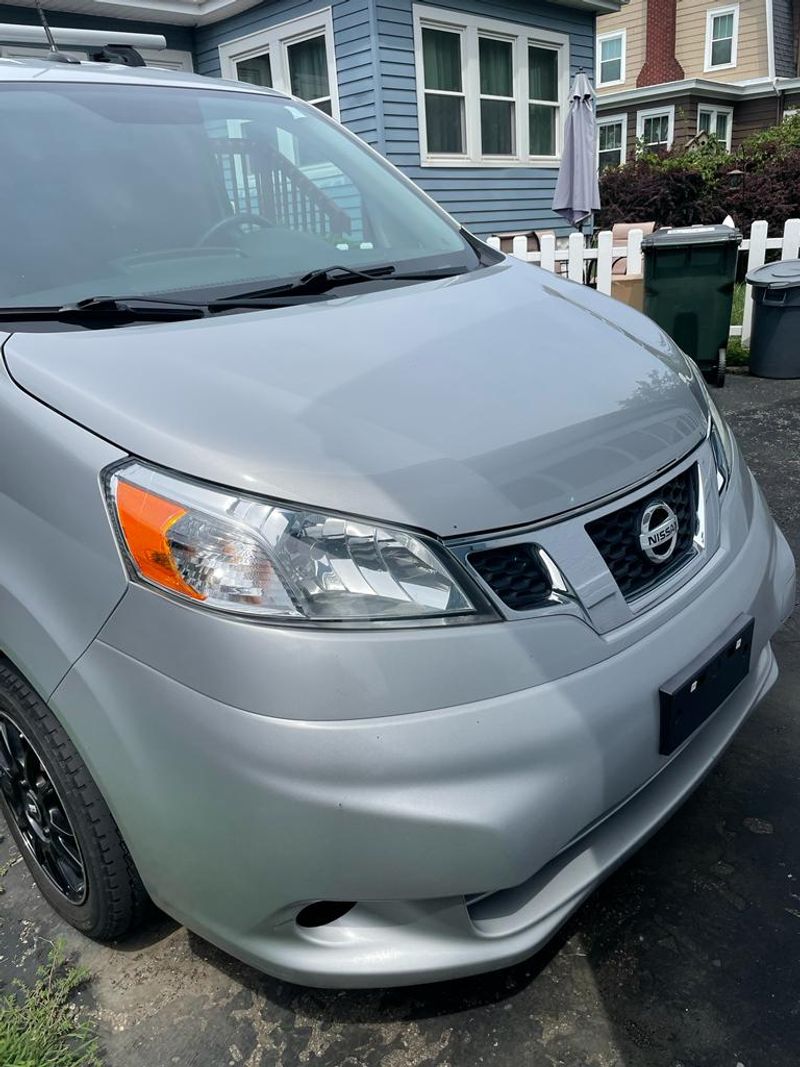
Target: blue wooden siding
[180, 38]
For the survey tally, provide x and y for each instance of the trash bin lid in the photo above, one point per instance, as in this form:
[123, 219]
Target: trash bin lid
[673, 236]
[783, 275]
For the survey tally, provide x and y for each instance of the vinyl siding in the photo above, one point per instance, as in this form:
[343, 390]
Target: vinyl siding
[485, 199]
[752, 47]
[750, 116]
[630, 18]
[785, 43]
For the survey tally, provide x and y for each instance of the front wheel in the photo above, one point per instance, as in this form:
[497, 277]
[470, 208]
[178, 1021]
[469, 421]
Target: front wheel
[60, 822]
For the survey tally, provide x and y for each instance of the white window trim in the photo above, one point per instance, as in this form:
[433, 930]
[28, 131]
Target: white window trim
[732, 9]
[601, 37]
[469, 26]
[716, 109]
[614, 120]
[656, 112]
[275, 41]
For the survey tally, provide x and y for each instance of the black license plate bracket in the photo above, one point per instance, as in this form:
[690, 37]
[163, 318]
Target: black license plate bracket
[693, 696]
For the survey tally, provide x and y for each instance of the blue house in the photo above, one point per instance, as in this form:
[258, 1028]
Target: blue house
[467, 97]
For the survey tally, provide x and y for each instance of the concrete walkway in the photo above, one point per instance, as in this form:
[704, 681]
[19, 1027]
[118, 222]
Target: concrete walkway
[689, 956]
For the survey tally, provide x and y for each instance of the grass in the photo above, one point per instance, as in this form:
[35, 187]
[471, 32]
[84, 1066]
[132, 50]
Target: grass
[738, 356]
[40, 1026]
[738, 304]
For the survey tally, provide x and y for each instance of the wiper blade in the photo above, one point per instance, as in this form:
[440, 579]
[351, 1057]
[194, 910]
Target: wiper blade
[106, 310]
[318, 282]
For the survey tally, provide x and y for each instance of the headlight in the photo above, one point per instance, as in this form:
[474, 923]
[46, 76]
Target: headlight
[250, 556]
[718, 430]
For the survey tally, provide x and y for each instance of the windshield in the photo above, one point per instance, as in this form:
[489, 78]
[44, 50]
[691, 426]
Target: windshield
[126, 190]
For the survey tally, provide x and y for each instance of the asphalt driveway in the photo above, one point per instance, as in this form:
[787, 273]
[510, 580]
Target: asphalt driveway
[689, 956]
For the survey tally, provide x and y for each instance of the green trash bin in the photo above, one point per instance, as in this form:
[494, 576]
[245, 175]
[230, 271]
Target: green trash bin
[689, 274]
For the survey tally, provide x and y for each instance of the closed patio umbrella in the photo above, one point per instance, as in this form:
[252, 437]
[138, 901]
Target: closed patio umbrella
[577, 194]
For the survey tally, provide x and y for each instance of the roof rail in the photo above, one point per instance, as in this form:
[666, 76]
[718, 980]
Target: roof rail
[11, 33]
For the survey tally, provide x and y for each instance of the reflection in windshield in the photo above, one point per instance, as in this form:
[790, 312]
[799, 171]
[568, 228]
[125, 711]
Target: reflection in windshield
[135, 190]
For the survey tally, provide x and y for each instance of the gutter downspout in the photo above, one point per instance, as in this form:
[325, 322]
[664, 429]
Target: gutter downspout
[770, 14]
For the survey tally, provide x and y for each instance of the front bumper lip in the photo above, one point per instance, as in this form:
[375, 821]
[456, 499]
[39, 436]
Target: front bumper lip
[235, 820]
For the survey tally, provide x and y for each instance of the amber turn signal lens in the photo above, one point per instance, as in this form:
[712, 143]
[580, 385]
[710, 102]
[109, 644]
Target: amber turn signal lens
[145, 520]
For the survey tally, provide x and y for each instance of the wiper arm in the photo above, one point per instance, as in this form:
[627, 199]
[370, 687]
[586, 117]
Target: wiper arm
[318, 282]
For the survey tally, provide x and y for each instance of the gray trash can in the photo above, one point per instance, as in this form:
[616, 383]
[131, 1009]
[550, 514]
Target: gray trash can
[775, 340]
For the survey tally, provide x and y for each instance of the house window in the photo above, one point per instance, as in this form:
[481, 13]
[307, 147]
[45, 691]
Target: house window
[444, 93]
[295, 57]
[717, 121]
[498, 124]
[722, 29]
[611, 58]
[543, 103]
[489, 92]
[655, 128]
[612, 133]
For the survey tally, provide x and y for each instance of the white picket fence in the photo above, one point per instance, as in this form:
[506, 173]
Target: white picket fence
[578, 254]
[756, 247]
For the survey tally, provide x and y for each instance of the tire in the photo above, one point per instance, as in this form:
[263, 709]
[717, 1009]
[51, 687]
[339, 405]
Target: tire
[59, 821]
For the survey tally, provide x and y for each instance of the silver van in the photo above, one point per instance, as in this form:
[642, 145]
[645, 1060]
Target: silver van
[365, 596]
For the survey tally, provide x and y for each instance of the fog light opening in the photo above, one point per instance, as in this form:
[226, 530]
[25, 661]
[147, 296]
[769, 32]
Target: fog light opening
[322, 912]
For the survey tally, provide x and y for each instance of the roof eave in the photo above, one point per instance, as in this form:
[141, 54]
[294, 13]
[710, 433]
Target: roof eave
[716, 90]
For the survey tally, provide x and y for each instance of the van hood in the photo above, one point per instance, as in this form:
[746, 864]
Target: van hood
[494, 399]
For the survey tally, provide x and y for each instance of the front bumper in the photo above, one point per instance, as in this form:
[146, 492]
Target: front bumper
[466, 832]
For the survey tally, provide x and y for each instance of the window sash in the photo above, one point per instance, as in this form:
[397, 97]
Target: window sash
[611, 52]
[492, 93]
[718, 122]
[497, 108]
[659, 130]
[611, 147]
[721, 33]
[435, 123]
[655, 130]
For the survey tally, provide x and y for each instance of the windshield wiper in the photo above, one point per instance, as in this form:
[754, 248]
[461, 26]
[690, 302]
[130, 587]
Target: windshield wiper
[103, 311]
[318, 282]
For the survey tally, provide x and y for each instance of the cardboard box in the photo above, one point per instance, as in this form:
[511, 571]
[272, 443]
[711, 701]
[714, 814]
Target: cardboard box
[629, 288]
